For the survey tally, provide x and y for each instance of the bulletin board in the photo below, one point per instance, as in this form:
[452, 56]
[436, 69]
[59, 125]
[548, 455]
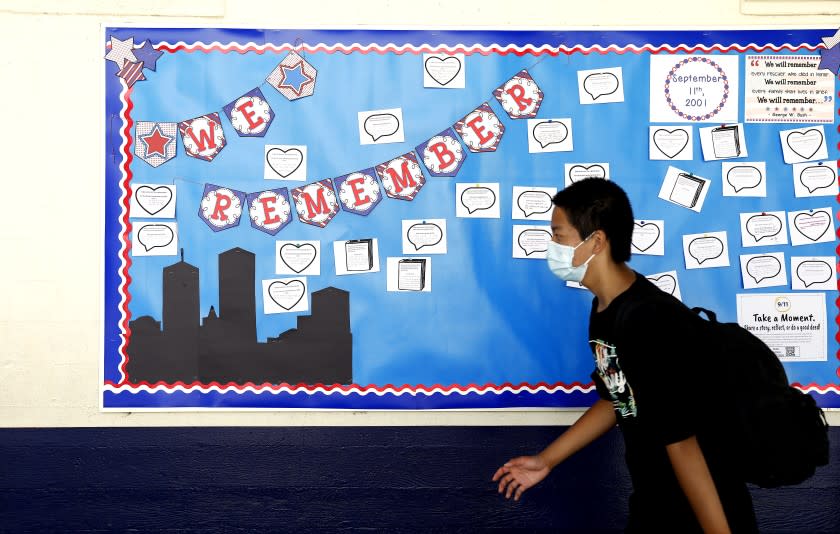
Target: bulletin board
[357, 219]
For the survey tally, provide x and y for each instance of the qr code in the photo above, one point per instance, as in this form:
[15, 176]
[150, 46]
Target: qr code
[791, 352]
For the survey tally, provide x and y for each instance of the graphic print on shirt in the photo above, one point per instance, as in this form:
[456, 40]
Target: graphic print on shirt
[608, 368]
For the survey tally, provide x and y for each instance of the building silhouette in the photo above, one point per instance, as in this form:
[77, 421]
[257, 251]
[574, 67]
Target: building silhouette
[222, 347]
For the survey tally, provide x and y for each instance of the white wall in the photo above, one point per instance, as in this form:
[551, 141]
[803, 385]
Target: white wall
[50, 145]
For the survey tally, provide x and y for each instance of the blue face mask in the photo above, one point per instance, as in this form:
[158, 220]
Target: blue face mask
[560, 258]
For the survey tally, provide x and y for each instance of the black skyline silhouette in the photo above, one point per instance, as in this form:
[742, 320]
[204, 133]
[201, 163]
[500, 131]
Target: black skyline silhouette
[224, 348]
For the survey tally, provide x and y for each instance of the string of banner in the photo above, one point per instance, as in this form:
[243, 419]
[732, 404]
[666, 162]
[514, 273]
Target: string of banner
[358, 192]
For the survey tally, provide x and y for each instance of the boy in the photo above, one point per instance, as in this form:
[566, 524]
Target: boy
[649, 373]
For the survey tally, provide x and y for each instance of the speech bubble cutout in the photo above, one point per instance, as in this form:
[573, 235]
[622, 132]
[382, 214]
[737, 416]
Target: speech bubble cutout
[550, 132]
[443, 70]
[381, 125]
[670, 142]
[532, 241]
[817, 177]
[298, 257]
[286, 294]
[812, 225]
[580, 172]
[600, 84]
[153, 199]
[743, 177]
[705, 248]
[645, 235]
[666, 283]
[478, 198]
[761, 226]
[805, 144]
[424, 235]
[763, 268]
[284, 162]
[534, 202]
[813, 272]
[155, 236]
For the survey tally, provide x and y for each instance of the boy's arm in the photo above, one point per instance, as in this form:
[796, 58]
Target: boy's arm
[697, 484]
[595, 422]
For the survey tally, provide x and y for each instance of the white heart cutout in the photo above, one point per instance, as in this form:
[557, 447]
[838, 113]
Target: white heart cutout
[812, 225]
[645, 235]
[153, 199]
[670, 142]
[286, 294]
[284, 162]
[298, 257]
[443, 70]
[666, 283]
[805, 144]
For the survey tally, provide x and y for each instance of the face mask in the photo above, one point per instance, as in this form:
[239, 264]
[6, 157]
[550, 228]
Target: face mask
[560, 259]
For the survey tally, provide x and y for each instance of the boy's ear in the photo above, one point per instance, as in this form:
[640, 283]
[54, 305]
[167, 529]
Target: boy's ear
[601, 241]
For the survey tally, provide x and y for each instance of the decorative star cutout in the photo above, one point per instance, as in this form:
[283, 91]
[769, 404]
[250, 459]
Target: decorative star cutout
[294, 78]
[148, 55]
[831, 42]
[131, 73]
[156, 142]
[121, 51]
[830, 59]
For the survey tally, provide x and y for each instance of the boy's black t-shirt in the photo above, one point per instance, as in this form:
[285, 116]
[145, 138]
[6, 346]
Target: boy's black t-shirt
[655, 371]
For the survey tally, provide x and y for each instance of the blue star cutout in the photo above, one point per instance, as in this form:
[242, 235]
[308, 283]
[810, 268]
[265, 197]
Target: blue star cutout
[830, 59]
[148, 55]
[294, 78]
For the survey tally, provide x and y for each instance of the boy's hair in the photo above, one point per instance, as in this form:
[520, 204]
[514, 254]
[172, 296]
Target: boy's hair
[597, 204]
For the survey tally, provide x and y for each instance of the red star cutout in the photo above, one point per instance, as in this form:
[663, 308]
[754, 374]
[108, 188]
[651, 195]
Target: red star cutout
[156, 142]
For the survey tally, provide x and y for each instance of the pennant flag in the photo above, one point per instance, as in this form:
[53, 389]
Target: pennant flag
[270, 211]
[316, 203]
[203, 136]
[250, 114]
[481, 129]
[401, 177]
[358, 192]
[443, 154]
[221, 208]
[131, 73]
[294, 77]
[121, 51]
[154, 142]
[520, 96]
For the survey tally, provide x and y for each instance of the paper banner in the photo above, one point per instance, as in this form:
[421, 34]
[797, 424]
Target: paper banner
[358, 192]
[520, 96]
[155, 142]
[250, 114]
[203, 136]
[481, 129]
[221, 208]
[401, 177]
[294, 77]
[316, 203]
[269, 211]
[443, 154]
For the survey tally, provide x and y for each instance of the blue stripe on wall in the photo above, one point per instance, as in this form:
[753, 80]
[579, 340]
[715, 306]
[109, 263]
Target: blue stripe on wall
[335, 478]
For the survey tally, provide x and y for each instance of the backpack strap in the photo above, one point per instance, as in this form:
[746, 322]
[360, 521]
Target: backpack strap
[710, 315]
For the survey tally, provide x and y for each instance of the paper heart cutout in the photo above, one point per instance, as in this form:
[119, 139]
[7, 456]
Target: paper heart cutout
[812, 225]
[666, 283]
[284, 162]
[670, 142]
[643, 241]
[805, 144]
[435, 67]
[592, 171]
[153, 199]
[286, 294]
[298, 257]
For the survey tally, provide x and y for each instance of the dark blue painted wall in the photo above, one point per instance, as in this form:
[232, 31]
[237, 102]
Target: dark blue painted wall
[345, 479]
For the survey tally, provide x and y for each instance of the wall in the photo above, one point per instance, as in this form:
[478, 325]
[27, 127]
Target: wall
[51, 274]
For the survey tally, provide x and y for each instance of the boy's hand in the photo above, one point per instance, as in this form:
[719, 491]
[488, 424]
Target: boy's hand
[519, 474]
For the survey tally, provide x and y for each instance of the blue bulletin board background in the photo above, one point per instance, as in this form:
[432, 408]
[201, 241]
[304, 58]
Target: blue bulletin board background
[494, 332]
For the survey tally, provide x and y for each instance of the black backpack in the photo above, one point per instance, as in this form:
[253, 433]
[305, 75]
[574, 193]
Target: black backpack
[780, 435]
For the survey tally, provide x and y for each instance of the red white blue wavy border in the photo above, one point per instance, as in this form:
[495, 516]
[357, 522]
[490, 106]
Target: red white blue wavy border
[354, 389]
